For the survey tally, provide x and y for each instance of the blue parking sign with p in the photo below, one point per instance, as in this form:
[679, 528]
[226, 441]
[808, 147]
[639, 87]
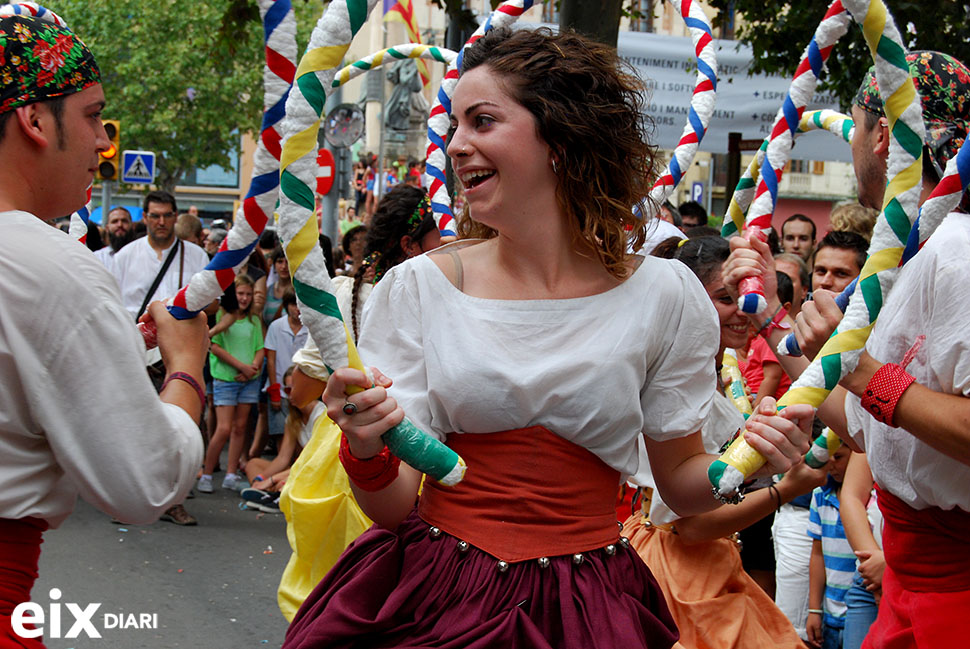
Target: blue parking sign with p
[697, 192]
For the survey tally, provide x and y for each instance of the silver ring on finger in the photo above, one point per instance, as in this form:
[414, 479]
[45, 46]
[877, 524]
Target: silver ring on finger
[350, 408]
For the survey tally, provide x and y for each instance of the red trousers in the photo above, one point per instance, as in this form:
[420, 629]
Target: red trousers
[19, 551]
[926, 587]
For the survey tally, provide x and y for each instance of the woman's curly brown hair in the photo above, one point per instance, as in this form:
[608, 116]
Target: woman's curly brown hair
[587, 104]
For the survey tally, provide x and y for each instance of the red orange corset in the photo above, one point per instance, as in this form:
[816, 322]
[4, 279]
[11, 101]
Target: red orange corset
[528, 493]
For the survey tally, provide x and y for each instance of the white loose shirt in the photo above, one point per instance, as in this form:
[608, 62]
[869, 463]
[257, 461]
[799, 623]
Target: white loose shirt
[599, 371]
[106, 256]
[929, 299]
[136, 265]
[720, 426]
[659, 230]
[78, 414]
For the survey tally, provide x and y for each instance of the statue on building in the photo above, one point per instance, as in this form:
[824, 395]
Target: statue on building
[406, 98]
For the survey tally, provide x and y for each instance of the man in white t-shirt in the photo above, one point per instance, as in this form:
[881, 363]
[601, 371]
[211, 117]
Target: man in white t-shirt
[67, 345]
[283, 337]
[137, 268]
[137, 264]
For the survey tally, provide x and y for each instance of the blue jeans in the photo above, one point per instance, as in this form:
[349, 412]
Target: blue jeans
[232, 393]
[860, 614]
[831, 637]
[277, 418]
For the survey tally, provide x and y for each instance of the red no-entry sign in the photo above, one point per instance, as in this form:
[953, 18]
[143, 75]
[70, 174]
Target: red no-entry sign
[326, 170]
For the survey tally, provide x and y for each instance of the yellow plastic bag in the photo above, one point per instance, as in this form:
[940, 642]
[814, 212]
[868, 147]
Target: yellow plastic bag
[322, 517]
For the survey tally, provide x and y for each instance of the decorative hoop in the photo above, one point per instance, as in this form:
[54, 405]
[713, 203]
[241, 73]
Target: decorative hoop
[834, 122]
[841, 353]
[834, 24]
[701, 103]
[439, 119]
[329, 42]
[207, 285]
[396, 53]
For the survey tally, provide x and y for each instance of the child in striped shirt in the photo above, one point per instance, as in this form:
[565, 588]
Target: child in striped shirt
[832, 564]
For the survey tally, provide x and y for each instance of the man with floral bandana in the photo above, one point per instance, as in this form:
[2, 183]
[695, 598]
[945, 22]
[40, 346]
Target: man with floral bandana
[906, 404]
[67, 345]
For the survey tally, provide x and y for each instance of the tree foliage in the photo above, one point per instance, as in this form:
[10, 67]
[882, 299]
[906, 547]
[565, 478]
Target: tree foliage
[779, 32]
[179, 86]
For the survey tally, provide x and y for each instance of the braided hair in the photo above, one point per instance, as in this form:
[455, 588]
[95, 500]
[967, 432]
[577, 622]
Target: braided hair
[404, 211]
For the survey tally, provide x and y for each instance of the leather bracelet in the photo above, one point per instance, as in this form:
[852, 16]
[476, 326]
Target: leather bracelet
[374, 473]
[773, 491]
[188, 378]
[774, 322]
[884, 390]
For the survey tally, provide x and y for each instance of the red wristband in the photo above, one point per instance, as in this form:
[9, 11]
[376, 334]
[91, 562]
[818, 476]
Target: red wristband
[274, 393]
[776, 321]
[188, 378]
[372, 474]
[883, 391]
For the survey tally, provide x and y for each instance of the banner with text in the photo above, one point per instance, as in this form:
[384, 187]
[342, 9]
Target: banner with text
[745, 104]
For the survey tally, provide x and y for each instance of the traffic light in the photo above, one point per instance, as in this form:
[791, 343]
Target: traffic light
[108, 160]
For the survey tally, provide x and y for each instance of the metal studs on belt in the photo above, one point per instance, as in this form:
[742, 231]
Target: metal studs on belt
[502, 566]
[625, 542]
[463, 546]
[620, 525]
[610, 549]
[434, 532]
[544, 562]
[578, 559]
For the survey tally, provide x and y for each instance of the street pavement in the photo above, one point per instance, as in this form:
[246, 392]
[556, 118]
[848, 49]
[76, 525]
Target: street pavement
[211, 585]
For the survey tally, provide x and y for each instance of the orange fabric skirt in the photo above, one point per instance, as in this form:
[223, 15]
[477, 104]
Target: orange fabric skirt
[714, 602]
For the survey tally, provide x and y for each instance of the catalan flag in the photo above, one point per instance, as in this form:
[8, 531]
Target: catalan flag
[403, 12]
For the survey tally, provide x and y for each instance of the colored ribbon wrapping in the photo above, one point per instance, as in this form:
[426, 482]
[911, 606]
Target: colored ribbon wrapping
[945, 197]
[734, 385]
[329, 42]
[279, 28]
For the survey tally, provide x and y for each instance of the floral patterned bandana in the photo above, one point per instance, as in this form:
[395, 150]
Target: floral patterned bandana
[40, 60]
[943, 84]
[418, 221]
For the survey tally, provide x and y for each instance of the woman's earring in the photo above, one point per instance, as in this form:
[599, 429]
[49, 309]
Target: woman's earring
[554, 170]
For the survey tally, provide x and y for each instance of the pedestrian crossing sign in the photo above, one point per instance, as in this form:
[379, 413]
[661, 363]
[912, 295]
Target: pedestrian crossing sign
[137, 166]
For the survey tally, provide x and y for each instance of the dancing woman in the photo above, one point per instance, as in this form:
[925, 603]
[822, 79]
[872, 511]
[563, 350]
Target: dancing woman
[546, 355]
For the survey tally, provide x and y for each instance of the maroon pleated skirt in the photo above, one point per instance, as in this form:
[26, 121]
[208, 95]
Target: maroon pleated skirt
[407, 589]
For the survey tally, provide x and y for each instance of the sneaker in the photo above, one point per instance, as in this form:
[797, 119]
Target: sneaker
[205, 484]
[230, 481]
[264, 501]
[179, 516]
